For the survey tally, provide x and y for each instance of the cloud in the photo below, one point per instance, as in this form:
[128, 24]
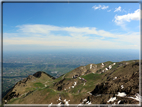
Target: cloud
[117, 9]
[75, 37]
[104, 7]
[120, 20]
[108, 10]
[100, 7]
[46, 29]
[37, 28]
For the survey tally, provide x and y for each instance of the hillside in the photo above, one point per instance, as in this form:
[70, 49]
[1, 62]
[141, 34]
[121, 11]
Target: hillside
[104, 83]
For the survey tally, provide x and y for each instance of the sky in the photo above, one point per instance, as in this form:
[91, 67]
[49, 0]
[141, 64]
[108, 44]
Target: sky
[45, 26]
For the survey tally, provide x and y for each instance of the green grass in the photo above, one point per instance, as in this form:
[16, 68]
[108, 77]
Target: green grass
[79, 96]
[76, 88]
[12, 100]
[51, 94]
[64, 94]
[68, 79]
[30, 89]
[108, 62]
[91, 76]
[92, 80]
[42, 88]
[38, 84]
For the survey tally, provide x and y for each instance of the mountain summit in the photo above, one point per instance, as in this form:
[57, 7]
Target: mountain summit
[103, 83]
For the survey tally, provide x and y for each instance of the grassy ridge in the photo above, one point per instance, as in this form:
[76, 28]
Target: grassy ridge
[38, 84]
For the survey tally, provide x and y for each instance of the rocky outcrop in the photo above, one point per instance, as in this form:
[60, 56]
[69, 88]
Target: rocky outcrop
[39, 73]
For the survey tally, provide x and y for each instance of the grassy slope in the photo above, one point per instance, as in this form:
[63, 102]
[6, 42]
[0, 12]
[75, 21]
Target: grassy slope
[48, 95]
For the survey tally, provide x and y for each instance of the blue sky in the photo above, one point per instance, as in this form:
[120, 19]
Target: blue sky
[43, 26]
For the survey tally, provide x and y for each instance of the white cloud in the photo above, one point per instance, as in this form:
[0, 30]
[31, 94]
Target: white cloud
[100, 7]
[120, 20]
[77, 37]
[108, 10]
[96, 7]
[104, 7]
[46, 29]
[117, 9]
[37, 28]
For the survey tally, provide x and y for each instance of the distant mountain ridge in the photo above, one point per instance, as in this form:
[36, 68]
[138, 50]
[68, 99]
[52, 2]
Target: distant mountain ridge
[103, 83]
